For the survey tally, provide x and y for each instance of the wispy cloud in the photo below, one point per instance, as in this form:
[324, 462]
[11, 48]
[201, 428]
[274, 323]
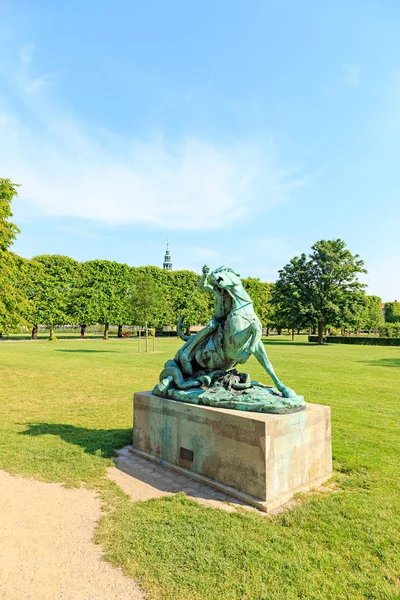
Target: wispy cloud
[352, 74]
[190, 183]
[193, 256]
[26, 79]
[80, 232]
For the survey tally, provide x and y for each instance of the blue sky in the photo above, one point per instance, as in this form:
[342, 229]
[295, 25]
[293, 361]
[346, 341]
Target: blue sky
[242, 131]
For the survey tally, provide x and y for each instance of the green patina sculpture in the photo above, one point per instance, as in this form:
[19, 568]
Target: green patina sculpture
[202, 371]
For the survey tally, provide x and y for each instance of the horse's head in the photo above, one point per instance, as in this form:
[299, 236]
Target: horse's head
[224, 278]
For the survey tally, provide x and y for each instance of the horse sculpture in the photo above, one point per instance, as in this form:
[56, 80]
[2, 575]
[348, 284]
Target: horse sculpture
[231, 337]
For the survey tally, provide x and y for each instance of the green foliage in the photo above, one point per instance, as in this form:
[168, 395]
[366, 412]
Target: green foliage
[389, 330]
[392, 312]
[13, 303]
[147, 299]
[101, 293]
[322, 288]
[373, 318]
[52, 277]
[84, 308]
[8, 231]
[261, 294]
[186, 299]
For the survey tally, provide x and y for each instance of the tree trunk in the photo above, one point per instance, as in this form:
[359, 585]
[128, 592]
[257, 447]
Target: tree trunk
[83, 332]
[298, 331]
[313, 331]
[279, 330]
[106, 328]
[119, 331]
[147, 338]
[292, 335]
[320, 332]
[34, 332]
[51, 333]
[267, 332]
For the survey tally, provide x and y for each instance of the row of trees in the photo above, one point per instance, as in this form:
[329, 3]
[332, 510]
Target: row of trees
[317, 291]
[58, 290]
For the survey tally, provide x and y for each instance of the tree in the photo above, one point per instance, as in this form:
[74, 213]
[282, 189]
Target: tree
[188, 300]
[14, 305]
[83, 307]
[102, 294]
[147, 301]
[52, 281]
[261, 294]
[163, 311]
[373, 314]
[392, 312]
[8, 231]
[323, 287]
[13, 269]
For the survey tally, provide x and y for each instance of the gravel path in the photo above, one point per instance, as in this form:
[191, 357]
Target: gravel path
[46, 548]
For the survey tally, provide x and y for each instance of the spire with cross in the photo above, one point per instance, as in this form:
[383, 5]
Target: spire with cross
[167, 259]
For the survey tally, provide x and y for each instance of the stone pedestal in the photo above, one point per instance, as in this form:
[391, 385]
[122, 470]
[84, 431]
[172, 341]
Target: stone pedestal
[261, 458]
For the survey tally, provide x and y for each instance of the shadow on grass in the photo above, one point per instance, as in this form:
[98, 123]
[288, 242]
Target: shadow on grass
[101, 442]
[383, 362]
[267, 342]
[85, 350]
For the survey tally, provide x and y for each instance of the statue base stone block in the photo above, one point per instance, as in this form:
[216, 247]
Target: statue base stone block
[262, 459]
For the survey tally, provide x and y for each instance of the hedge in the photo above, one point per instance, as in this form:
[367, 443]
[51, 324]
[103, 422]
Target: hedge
[366, 341]
[391, 330]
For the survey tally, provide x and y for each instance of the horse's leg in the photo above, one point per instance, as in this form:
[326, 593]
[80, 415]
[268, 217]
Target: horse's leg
[261, 355]
[246, 339]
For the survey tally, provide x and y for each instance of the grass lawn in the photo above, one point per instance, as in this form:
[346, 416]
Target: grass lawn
[65, 406]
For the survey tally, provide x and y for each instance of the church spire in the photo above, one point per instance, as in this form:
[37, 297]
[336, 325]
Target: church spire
[167, 259]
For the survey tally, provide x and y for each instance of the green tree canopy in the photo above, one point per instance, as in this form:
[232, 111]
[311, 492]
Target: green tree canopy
[188, 300]
[392, 312]
[52, 280]
[261, 294]
[323, 287]
[102, 293]
[14, 307]
[8, 231]
[373, 315]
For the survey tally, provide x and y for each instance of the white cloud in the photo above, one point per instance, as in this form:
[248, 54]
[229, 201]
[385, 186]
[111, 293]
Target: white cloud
[352, 74]
[189, 184]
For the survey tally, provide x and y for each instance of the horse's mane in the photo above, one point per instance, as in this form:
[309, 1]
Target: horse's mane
[238, 290]
[219, 269]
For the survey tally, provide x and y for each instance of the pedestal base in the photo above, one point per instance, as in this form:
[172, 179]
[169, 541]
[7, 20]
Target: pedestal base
[265, 457]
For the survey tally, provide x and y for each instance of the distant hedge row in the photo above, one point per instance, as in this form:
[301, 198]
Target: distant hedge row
[391, 330]
[363, 341]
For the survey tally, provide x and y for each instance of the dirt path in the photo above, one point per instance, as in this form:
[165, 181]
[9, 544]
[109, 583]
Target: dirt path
[46, 548]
